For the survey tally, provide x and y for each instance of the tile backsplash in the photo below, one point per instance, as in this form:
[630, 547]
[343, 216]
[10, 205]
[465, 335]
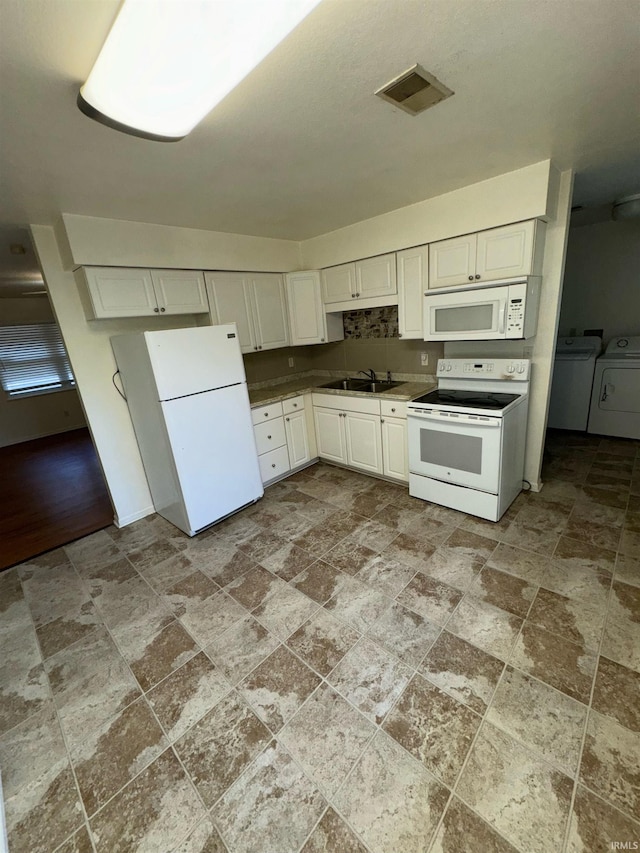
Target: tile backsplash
[371, 342]
[371, 323]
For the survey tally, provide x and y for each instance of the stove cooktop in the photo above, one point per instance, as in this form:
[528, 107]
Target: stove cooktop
[468, 399]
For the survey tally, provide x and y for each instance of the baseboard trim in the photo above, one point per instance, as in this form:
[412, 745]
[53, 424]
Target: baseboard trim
[135, 516]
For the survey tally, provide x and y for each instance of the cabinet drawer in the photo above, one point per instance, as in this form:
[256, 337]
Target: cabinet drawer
[273, 464]
[270, 435]
[366, 405]
[266, 413]
[295, 404]
[393, 409]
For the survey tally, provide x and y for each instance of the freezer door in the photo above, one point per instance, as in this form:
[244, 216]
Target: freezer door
[189, 361]
[214, 450]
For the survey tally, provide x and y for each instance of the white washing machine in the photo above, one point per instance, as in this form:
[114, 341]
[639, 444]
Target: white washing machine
[615, 401]
[573, 370]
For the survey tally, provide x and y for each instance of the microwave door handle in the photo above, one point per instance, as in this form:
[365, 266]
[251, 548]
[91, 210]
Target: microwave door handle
[501, 316]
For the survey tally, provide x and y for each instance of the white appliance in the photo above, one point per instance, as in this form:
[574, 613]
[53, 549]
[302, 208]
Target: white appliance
[187, 394]
[615, 401]
[496, 312]
[467, 438]
[572, 381]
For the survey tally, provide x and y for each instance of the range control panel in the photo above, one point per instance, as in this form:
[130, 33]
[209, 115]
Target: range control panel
[494, 368]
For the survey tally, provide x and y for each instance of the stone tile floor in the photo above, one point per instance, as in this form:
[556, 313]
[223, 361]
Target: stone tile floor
[338, 668]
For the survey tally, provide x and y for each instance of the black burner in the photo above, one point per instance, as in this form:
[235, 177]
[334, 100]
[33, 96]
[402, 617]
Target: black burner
[469, 399]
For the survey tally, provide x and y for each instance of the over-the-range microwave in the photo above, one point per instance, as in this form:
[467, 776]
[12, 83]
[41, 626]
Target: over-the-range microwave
[498, 312]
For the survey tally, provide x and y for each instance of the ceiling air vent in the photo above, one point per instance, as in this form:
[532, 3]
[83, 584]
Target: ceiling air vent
[414, 91]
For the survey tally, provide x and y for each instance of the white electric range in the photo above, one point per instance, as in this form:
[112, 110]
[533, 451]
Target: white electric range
[467, 438]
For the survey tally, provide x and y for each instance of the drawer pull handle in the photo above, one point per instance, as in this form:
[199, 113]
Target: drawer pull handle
[273, 465]
[295, 405]
[266, 414]
[381, 420]
[287, 419]
[269, 436]
[393, 410]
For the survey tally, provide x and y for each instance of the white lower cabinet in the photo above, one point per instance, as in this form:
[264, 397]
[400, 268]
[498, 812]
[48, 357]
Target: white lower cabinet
[297, 439]
[330, 436]
[348, 431]
[283, 438]
[365, 433]
[364, 444]
[394, 448]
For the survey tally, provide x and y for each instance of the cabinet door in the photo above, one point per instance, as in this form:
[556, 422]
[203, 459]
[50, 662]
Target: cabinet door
[376, 276]
[269, 310]
[364, 444]
[413, 266]
[229, 296]
[306, 314]
[452, 262]
[180, 291]
[119, 292]
[330, 434]
[505, 252]
[339, 283]
[297, 439]
[394, 448]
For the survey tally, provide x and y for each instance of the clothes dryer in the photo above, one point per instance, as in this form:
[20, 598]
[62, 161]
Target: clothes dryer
[615, 401]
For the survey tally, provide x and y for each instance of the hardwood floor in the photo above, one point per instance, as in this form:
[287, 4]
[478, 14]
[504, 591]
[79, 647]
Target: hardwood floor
[52, 491]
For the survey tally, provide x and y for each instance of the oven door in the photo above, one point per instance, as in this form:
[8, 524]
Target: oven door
[477, 315]
[456, 448]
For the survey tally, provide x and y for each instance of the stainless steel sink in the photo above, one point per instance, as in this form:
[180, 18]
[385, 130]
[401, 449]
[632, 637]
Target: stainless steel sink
[360, 385]
[348, 384]
[379, 387]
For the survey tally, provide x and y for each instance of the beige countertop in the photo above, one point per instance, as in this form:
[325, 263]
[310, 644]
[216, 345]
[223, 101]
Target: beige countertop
[292, 388]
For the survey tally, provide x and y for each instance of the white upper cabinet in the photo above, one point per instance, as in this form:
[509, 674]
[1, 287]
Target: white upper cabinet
[452, 262]
[376, 276]
[339, 283]
[230, 303]
[180, 291]
[413, 280]
[506, 252]
[255, 302]
[509, 252]
[368, 279]
[124, 292]
[308, 321]
[269, 306]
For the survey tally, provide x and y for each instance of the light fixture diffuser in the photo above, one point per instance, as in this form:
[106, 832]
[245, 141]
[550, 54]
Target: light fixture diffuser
[167, 63]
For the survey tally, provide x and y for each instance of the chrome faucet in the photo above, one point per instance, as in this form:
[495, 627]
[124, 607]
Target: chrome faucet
[371, 374]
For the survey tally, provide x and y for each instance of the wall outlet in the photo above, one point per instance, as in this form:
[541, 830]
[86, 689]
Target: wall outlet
[424, 359]
[290, 361]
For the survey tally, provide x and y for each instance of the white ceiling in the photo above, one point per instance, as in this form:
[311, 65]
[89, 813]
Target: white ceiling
[302, 146]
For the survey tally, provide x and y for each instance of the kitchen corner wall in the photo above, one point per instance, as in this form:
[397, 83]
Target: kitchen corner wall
[371, 342]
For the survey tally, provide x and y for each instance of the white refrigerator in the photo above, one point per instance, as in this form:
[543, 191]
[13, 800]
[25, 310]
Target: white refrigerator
[187, 395]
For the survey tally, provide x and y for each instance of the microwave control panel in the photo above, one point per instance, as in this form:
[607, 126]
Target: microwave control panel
[515, 317]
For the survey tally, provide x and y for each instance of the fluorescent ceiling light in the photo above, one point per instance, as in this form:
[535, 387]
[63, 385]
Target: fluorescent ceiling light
[167, 63]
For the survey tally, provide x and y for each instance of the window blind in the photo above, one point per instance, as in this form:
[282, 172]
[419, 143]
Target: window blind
[33, 360]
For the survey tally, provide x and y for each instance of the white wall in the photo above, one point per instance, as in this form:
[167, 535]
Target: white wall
[527, 193]
[113, 242]
[46, 414]
[541, 348]
[602, 279]
[93, 364]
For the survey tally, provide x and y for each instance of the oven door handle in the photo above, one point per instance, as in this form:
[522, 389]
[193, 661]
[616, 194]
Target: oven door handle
[460, 420]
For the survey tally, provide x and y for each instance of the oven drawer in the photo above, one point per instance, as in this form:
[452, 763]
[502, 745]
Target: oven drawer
[462, 449]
